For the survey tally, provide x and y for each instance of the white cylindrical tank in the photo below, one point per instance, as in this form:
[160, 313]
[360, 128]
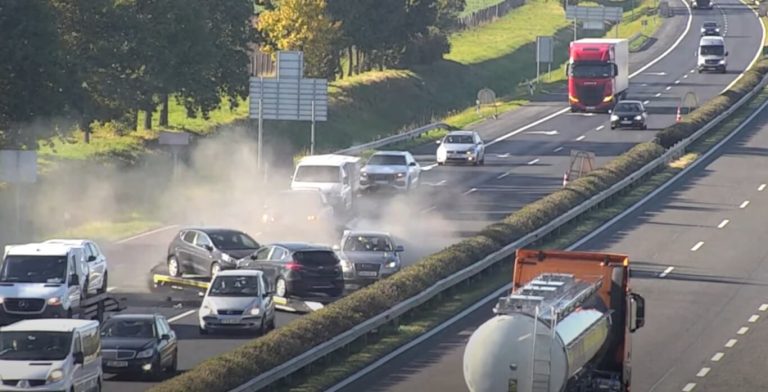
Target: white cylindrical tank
[499, 354]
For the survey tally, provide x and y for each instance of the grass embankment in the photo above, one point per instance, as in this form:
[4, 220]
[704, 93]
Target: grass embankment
[321, 377]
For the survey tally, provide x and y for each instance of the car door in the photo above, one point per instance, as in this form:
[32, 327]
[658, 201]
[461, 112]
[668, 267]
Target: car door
[346, 187]
[261, 262]
[78, 370]
[277, 258]
[96, 266]
[74, 291]
[413, 167]
[91, 368]
[269, 302]
[480, 146]
[185, 245]
[164, 346]
[202, 255]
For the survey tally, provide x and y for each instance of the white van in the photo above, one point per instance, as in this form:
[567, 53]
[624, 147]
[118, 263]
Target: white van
[712, 54]
[51, 354]
[41, 281]
[337, 176]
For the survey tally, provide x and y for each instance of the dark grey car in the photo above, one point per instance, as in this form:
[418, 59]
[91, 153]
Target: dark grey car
[629, 114]
[207, 251]
[367, 256]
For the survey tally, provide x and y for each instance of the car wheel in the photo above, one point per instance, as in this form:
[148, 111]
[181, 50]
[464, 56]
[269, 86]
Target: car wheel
[104, 283]
[215, 269]
[174, 364]
[272, 325]
[263, 328]
[281, 288]
[174, 269]
[645, 126]
[84, 289]
[157, 369]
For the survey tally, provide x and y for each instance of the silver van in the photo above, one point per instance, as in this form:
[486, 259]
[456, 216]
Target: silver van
[712, 54]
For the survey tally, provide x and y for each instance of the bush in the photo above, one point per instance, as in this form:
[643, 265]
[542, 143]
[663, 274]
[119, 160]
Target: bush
[234, 368]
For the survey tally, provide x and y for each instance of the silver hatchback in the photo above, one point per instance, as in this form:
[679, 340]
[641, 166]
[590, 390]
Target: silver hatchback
[237, 300]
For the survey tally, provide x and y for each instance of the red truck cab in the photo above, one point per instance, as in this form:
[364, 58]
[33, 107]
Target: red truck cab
[598, 74]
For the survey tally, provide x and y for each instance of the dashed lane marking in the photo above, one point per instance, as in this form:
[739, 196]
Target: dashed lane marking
[703, 372]
[504, 175]
[424, 211]
[181, 316]
[666, 272]
[646, 102]
[689, 387]
[717, 357]
[558, 149]
[533, 162]
[697, 246]
[657, 95]
[668, 88]
[761, 188]
[754, 318]
[470, 191]
[731, 342]
[600, 127]
[744, 204]
[580, 138]
[742, 330]
[763, 307]
[677, 81]
[723, 223]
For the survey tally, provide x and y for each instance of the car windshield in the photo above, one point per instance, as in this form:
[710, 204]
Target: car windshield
[626, 107]
[582, 70]
[317, 174]
[34, 269]
[127, 328]
[231, 240]
[308, 200]
[710, 25]
[235, 286]
[713, 50]
[34, 345]
[368, 243]
[388, 160]
[459, 139]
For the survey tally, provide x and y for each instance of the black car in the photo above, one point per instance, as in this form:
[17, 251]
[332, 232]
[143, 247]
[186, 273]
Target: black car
[141, 344]
[207, 251]
[710, 28]
[298, 269]
[629, 114]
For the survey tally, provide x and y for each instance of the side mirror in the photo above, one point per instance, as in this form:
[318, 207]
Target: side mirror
[636, 312]
[91, 258]
[412, 164]
[253, 256]
[610, 111]
[165, 337]
[269, 293]
[78, 358]
[399, 248]
[208, 248]
[336, 247]
[726, 54]
[74, 280]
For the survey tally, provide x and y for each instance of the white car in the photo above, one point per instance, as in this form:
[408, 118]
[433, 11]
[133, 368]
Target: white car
[390, 169]
[97, 279]
[461, 146]
[237, 300]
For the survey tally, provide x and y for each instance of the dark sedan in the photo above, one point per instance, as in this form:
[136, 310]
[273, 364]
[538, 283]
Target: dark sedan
[296, 269]
[629, 114]
[207, 251]
[710, 28]
[140, 344]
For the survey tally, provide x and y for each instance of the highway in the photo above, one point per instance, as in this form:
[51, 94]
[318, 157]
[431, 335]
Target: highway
[523, 165]
[699, 261]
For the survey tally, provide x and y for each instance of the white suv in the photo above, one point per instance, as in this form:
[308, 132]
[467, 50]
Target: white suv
[96, 281]
[390, 169]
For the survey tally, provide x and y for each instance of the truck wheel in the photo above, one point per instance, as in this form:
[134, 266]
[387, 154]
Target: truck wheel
[280, 287]
[215, 269]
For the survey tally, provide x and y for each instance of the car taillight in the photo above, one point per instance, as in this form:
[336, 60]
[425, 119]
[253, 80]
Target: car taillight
[293, 266]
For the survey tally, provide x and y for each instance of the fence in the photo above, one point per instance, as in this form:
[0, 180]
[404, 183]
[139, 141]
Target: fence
[489, 14]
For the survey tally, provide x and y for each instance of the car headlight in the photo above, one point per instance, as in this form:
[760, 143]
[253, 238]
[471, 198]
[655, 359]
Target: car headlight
[363, 174]
[2, 300]
[400, 175]
[146, 353]
[55, 376]
[608, 98]
[346, 266]
[255, 311]
[227, 258]
[391, 265]
[638, 117]
[312, 217]
[206, 310]
[614, 117]
[470, 152]
[53, 301]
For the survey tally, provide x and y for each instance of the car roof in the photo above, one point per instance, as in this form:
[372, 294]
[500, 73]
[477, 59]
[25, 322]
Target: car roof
[327, 160]
[239, 272]
[386, 152]
[712, 40]
[208, 230]
[631, 101]
[368, 232]
[297, 246]
[75, 242]
[52, 325]
[710, 23]
[135, 316]
[461, 133]
[39, 249]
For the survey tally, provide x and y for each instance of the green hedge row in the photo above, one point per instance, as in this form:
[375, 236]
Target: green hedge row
[234, 368]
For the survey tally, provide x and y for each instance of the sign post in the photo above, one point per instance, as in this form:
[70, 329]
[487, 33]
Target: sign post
[594, 18]
[288, 96]
[544, 52]
[177, 141]
[18, 167]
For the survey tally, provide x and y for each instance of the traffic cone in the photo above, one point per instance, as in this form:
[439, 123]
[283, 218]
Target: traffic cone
[678, 118]
[565, 179]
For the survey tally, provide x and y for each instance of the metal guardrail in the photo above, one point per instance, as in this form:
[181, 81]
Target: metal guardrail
[365, 327]
[408, 135]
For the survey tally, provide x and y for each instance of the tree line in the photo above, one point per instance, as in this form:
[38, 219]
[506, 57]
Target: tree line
[83, 61]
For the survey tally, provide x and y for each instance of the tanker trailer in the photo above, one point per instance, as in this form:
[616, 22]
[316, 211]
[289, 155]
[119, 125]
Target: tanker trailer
[564, 327]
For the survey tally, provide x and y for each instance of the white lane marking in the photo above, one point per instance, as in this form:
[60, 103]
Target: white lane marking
[689, 387]
[424, 211]
[763, 307]
[429, 167]
[526, 336]
[693, 70]
[754, 318]
[668, 88]
[600, 127]
[717, 357]
[685, 76]
[757, 55]
[697, 246]
[744, 204]
[137, 236]
[441, 182]
[580, 138]
[533, 162]
[666, 272]
[761, 188]
[181, 316]
[505, 155]
[658, 94]
[742, 330]
[677, 81]
[703, 372]
[504, 175]
[646, 102]
[632, 75]
[548, 133]
[558, 149]
[730, 343]
[470, 191]
[723, 223]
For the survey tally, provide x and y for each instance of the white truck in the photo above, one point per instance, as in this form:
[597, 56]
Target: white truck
[712, 54]
[337, 176]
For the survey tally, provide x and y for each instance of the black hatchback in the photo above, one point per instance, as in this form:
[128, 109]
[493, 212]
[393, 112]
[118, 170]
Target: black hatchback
[629, 114]
[207, 251]
[298, 269]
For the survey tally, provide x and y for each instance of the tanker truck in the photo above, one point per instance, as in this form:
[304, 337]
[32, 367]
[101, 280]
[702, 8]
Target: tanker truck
[564, 327]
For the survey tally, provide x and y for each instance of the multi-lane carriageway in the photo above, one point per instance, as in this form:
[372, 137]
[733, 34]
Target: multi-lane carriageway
[526, 160]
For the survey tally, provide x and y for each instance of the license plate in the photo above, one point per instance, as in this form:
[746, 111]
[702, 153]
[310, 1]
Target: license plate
[230, 321]
[368, 273]
[382, 182]
[590, 108]
[626, 122]
[117, 363]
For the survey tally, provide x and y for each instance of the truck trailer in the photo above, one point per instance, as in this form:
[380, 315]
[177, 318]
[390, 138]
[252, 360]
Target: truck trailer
[598, 74]
[564, 327]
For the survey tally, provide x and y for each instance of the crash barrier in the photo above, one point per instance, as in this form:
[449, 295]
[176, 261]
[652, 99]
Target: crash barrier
[310, 338]
[408, 135]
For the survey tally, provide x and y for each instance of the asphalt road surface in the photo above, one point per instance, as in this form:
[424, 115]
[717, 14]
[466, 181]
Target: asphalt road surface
[698, 259]
[525, 161]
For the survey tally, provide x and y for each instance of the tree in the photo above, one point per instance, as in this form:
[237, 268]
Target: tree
[304, 25]
[448, 12]
[30, 70]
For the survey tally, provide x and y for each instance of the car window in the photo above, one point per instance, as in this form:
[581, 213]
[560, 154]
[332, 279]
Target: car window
[189, 237]
[202, 240]
[316, 257]
[263, 253]
[459, 139]
[161, 329]
[263, 288]
[78, 346]
[129, 328]
[235, 286]
[91, 250]
[278, 254]
[368, 243]
[319, 173]
[387, 159]
[229, 240]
